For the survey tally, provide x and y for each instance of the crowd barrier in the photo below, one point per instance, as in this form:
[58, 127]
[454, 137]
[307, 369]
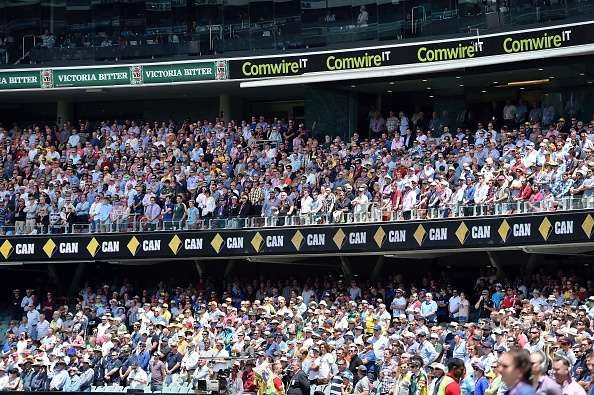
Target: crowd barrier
[368, 213]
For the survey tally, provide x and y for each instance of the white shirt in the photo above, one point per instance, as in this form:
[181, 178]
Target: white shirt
[306, 203]
[137, 379]
[354, 292]
[454, 305]
[409, 200]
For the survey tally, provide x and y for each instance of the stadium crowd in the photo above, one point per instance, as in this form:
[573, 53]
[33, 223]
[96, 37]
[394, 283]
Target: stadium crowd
[119, 174]
[298, 337]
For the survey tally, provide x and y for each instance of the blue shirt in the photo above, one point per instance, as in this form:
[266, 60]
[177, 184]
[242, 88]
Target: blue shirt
[192, 215]
[429, 310]
[481, 386]
[104, 212]
[521, 389]
[497, 298]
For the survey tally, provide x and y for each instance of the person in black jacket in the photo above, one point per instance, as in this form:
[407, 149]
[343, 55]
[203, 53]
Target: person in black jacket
[355, 362]
[16, 311]
[299, 383]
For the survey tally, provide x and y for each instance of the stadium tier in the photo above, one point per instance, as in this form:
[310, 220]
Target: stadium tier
[293, 337]
[297, 197]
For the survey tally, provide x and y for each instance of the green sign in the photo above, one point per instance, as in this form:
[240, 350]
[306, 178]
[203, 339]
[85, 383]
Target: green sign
[20, 79]
[104, 76]
[183, 72]
[82, 77]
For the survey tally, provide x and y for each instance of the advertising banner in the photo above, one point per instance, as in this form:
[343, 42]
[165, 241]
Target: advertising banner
[183, 72]
[90, 77]
[82, 77]
[451, 234]
[454, 50]
[20, 79]
[413, 53]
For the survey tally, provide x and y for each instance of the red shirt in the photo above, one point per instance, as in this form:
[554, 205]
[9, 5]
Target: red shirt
[453, 388]
[509, 301]
[249, 381]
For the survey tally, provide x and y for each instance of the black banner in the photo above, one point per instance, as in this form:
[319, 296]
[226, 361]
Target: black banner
[414, 53]
[485, 232]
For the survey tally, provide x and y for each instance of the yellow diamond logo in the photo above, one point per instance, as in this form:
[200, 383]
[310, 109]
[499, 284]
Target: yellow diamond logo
[297, 239]
[462, 232]
[6, 249]
[175, 244]
[545, 228]
[217, 243]
[257, 241]
[49, 247]
[92, 247]
[503, 230]
[588, 225]
[419, 234]
[379, 237]
[133, 245]
[339, 238]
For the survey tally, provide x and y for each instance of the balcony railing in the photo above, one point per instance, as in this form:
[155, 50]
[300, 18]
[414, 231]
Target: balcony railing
[370, 213]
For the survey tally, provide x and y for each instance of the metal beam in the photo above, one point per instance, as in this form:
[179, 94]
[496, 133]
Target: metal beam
[200, 268]
[377, 268]
[75, 282]
[347, 271]
[500, 272]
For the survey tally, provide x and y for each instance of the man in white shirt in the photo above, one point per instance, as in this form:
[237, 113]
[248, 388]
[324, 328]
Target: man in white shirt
[60, 376]
[509, 112]
[137, 379]
[398, 305]
[537, 301]
[32, 320]
[220, 354]
[454, 304]
[306, 202]
[189, 362]
[360, 203]
[27, 300]
[409, 200]
[354, 291]
[43, 327]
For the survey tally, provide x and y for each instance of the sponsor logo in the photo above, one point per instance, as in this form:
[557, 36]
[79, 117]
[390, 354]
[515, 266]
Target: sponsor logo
[136, 75]
[315, 239]
[24, 248]
[357, 238]
[357, 62]
[521, 230]
[438, 234]
[47, 78]
[460, 51]
[234, 243]
[151, 245]
[283, 67]
[544, 41]
[222, 72]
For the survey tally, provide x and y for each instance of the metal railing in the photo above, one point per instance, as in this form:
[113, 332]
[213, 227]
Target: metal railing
[368, 213]
[305, 30]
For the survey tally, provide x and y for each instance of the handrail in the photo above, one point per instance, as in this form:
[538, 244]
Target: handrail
[364, 213]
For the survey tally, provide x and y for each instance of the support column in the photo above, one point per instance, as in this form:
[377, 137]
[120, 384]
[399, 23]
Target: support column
[229, 267]
[500, 273]
[225, 107]
[54, 277]
[378, 102]
[528, 269]
[377, 269]
[64, 110]
[200, 268]
[75, 282]
[347, 272]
